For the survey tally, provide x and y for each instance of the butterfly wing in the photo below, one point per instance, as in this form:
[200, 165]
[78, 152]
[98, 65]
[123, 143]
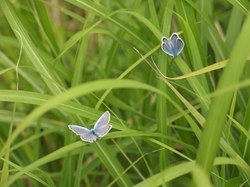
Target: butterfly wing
[91, 137]
[102, 126]
[167, 46]
[85, 134]
[79, 130]
[179, 46]
[174, 37]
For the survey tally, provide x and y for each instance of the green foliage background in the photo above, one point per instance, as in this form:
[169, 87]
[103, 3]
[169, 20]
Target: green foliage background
[66, 62]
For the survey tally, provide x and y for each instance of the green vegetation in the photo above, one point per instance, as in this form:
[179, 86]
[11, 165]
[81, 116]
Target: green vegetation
[177, 122]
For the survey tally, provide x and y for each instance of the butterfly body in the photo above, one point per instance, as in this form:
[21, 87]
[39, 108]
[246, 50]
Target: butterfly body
[101, 128]
[172, 46]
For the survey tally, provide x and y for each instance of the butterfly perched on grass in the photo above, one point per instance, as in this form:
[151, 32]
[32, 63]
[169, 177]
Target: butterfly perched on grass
[100, 129]
[172, 46]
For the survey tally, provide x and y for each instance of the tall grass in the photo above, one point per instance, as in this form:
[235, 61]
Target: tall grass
[180, 121]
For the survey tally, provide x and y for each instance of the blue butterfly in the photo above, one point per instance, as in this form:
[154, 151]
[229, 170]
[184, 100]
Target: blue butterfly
[173, 46]
[101, 128]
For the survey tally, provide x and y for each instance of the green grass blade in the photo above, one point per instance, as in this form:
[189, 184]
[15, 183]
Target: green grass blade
[215, 119]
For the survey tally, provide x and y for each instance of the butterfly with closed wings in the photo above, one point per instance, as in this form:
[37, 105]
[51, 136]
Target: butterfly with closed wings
[101, 128]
